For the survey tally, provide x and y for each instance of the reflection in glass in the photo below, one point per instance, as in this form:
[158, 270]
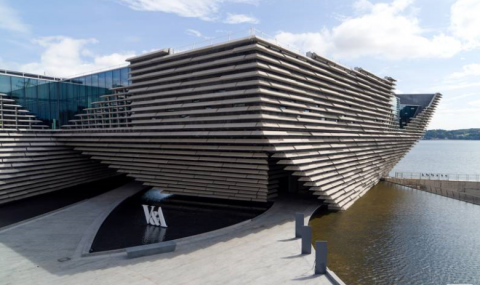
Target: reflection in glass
[109, 79]
[5, 84]
[116, 78]
[124, 75]
[18, 90]
[61, 100]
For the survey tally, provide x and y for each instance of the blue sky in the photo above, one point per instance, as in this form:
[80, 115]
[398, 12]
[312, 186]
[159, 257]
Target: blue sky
[427, 45]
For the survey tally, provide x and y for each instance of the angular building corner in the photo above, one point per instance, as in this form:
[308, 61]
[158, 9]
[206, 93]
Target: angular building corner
[246, 120]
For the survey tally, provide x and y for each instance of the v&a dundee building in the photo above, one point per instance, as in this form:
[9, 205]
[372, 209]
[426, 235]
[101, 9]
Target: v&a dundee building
[242, 120]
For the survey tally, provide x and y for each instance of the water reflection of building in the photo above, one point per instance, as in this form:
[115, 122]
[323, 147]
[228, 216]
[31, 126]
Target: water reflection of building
[154, 234]
[248, 120]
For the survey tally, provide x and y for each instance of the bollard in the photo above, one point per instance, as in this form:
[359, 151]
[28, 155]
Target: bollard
[306, 240]
[321, 257]
[299, 223]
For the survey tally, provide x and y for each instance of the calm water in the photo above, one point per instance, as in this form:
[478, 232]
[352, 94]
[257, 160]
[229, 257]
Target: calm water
[442, 157]
[398, 235]
[185, 216]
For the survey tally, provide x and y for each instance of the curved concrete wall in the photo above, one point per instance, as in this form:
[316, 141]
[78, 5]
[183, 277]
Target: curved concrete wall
[228, 121]
[32, 162]
[234, 120]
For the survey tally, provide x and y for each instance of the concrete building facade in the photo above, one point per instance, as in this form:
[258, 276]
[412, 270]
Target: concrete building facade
[247, 120]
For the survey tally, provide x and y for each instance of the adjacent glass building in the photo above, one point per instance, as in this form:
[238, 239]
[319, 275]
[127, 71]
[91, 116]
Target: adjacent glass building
[56, 101]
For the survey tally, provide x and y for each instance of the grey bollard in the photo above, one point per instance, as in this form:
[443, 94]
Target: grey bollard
[299, 223]
[306, 240]
[321, 257]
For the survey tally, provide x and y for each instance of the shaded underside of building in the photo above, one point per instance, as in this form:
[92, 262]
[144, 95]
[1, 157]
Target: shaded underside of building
[245, 120]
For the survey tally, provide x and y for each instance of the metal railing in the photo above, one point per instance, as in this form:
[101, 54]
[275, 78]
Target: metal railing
[462, 196]
[438, 176]
[29, 75]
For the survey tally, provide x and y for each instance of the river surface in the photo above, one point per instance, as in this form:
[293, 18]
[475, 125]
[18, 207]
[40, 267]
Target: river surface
[398, 235]
[462, 157]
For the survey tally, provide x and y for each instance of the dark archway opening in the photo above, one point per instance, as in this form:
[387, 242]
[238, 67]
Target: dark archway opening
[282, 183]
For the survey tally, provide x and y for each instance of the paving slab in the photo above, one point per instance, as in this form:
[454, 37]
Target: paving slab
[48, 250]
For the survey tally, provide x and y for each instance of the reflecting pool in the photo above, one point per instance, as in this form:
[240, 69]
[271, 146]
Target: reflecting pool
[185, 216]
[398, 235]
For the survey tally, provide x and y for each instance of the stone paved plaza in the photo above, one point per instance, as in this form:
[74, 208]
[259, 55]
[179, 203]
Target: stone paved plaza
[48, 250]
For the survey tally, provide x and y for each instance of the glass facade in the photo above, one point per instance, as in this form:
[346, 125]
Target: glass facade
[407, 113]
[395, 101]
[57, 102]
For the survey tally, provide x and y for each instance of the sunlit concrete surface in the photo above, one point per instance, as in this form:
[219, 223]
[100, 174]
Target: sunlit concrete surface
[48, 251]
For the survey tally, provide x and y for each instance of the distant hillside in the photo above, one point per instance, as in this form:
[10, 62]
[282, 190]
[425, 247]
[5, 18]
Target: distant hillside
[469, 134]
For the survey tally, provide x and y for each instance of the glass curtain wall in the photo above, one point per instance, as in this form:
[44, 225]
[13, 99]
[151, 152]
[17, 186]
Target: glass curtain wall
[57, 102]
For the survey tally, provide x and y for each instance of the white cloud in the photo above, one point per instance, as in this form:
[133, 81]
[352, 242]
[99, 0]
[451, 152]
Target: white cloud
[207, 10]
[456, 98]
[317, 42]
[451, 118]
[10, 20]
[240, 19]
[465, 21]
[381, 30]
[65, 57]
[195, 33]
[475, 103]
[467, 70]
[362, 6]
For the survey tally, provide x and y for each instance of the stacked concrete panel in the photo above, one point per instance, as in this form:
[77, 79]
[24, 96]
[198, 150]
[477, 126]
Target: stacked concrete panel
[232, 120]
[32, 162]
[14, 117]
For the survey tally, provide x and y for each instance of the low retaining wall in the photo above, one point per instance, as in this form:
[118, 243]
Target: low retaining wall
[467, 191]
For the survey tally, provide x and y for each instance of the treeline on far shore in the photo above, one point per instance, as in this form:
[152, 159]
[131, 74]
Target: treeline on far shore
[468, 134]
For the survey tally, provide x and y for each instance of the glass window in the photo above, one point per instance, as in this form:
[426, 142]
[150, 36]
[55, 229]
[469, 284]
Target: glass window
[31, 88]
[95, 80]
[124, 75]
[70, 94]
[32, 106]
[80, 80]
[102, 80]
[95, 85]
[82, 96]
[18, 90]
[54, 100]
[88, 83]
[44, 111]
[5, 84]
[53, 91]
[109, 79]
[116, 78]
[43, 90]
[63, 92]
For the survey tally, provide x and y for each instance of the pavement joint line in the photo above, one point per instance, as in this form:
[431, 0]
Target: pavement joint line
[83, 248]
